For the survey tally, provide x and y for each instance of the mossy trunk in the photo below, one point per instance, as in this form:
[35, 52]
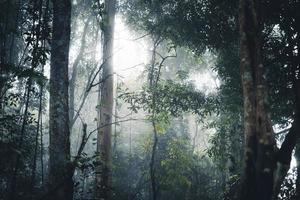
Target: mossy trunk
[60, 173]
[259, 138]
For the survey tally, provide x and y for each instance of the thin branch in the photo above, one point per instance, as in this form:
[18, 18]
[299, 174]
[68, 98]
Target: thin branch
[90, 84]
[101, 81]
[122, 117]
[162, 62]
[134, 66]
[82, 48]
[99, 70]
[84, 140]
[126, 120]
[282, 131]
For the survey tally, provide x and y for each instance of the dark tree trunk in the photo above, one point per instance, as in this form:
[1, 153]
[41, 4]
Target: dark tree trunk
[297, 91]
[60, 173]
[9, 21]
[260, 142]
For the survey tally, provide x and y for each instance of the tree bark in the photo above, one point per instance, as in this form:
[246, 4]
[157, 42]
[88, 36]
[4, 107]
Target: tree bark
[297, 91]
[259, 137]
[9, 20]
[59, 146]
[103, 171]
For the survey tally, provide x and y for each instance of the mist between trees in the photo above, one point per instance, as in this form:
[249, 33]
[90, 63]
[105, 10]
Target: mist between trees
[149, 100]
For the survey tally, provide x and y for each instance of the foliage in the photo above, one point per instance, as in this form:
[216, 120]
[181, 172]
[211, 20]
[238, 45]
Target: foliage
[190, 28]
[24, 53]
[194, 24]
[288, 190]
[171, 98]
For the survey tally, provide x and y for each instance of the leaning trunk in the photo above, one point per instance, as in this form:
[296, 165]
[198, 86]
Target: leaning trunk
[103, 175]
[60, 175]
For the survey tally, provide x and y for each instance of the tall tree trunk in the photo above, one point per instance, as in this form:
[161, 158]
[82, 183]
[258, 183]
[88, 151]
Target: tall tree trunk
[60, 175]
[152, 81]
[259, 150]
[9, 21]
[116, 118]
[103, 175]
[297, 91]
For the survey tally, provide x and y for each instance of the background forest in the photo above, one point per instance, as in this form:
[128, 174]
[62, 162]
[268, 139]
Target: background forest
[149, 100]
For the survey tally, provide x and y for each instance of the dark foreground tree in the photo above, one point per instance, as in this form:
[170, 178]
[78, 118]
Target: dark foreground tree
[265, 165]
[260, 142]
[60, 173]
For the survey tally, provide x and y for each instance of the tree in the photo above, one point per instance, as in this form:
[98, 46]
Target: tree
[106, 101]
[214, 25]
[260, 142]
[60, 173]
